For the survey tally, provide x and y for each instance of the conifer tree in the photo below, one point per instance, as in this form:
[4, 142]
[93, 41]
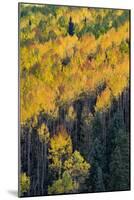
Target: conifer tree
[71, 27]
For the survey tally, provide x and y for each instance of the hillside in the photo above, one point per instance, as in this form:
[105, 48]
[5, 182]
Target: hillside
[74, 99]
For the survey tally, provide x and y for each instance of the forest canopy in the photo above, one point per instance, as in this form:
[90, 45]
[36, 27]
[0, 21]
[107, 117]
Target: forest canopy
[48, 67]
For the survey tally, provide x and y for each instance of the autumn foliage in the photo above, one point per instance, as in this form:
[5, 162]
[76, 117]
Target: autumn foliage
[74, 82]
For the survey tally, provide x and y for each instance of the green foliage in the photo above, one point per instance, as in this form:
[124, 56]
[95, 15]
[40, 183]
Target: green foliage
[42, 25]
[99, 180]
[104, 23]
[24, 183]
[119, 162]
[116, 170]
[77, 167]
[56, 188]
[67, 182]
[96, 179]
[62, 186]
[124, 47]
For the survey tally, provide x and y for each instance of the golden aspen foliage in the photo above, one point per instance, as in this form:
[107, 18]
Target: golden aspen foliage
[71, 113]
[103, 100]
[106, 40]
[120, 78]
[60, 148]
[57, 70]
[61, 141]
[43, 133]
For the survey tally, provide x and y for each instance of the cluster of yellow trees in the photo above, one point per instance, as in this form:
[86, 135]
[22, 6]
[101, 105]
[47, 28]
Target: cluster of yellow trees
[70, 167]
[46, 82]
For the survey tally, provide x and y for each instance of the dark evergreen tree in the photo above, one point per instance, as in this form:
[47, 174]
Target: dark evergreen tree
[96, 127]
[99, 180]
[71, 27]
[119, 163]
[30, 23]
[95, 181]
[116, 170]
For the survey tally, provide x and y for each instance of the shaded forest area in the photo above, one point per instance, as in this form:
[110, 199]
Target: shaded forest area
[75, 100]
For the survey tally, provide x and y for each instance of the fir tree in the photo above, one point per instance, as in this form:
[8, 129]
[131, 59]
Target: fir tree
[71, 27]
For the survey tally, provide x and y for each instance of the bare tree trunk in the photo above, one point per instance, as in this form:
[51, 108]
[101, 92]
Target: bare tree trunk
[42, 181]
[28, 155]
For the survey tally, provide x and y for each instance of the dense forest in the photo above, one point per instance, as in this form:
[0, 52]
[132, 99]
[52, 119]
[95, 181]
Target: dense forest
[74, 100]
